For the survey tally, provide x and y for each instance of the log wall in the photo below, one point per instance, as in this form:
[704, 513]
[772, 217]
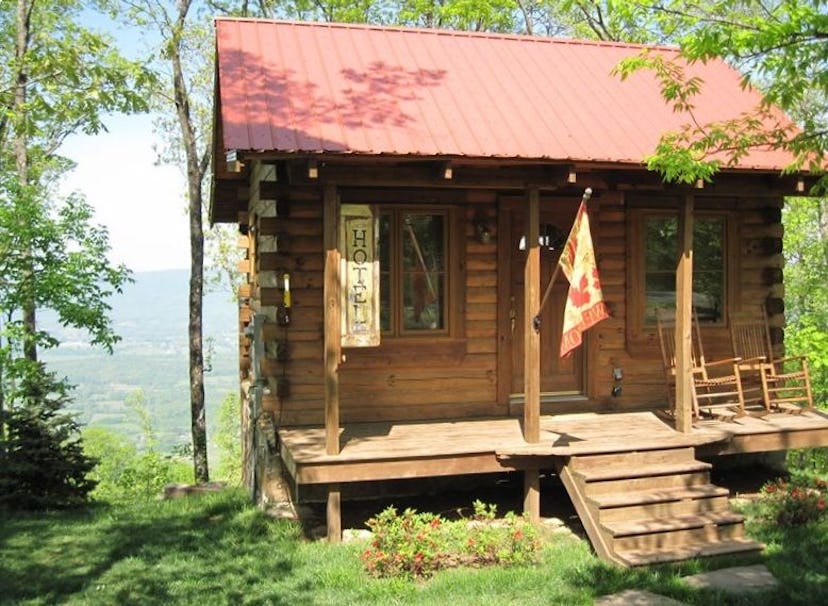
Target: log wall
[457, 375]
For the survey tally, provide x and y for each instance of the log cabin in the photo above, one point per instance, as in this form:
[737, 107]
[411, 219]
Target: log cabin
[402, 198]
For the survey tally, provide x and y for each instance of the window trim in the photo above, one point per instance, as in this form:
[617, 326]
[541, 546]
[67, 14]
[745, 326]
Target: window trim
[639, 332]
[452, 289]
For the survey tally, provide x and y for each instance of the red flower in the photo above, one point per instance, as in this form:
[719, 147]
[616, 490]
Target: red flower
[770, 488]
[435, 522]
[821, 504]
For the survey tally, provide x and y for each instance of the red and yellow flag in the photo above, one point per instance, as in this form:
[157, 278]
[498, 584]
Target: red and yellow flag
[585, 305]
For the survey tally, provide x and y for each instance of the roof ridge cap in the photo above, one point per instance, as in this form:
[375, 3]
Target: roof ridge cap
[453, 33]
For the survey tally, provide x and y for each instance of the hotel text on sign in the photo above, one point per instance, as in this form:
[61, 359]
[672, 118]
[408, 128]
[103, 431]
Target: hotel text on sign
[360, 276]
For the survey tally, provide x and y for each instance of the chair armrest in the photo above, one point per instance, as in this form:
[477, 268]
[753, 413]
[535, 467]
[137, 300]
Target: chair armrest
[731, 361]
[753, 363]
[791, 359]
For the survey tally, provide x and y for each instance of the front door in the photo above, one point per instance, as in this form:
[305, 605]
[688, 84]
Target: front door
[558, 377]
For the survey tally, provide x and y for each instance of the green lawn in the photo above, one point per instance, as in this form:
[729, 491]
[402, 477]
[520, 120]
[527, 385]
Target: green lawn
[217, 549]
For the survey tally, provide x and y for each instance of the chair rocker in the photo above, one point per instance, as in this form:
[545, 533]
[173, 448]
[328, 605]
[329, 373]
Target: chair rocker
[716, 387]
[784, 384]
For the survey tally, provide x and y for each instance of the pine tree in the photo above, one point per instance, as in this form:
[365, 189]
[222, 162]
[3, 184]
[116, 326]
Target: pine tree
[42, 464]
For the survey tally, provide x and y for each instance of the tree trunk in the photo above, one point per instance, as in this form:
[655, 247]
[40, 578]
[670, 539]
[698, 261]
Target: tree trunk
[197, 413]
[823, 227]
[21, 155]
[195, 175]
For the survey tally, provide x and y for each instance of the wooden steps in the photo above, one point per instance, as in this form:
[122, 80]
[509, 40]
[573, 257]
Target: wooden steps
[653, 506]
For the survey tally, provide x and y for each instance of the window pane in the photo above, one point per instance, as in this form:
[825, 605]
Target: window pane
[660, 255]
[385, 271]
[423, 242]
[423, 263]
[422, 301]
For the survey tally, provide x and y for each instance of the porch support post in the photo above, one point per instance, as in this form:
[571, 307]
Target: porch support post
[684, 319]
[333, 349]
[531, 351]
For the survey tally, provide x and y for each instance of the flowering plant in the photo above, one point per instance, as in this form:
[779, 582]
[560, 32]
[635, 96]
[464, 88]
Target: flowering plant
[416, 544]
[795, 502]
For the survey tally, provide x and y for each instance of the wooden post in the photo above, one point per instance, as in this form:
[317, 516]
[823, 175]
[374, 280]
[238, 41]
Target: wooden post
[531, 351]
[684, 318]
[333, 350]
[334, 514]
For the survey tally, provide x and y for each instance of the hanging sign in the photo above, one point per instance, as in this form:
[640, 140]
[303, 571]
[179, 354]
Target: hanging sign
[358, 233]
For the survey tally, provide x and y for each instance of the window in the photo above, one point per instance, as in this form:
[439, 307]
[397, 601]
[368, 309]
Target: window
[660, 254]
[413, 271]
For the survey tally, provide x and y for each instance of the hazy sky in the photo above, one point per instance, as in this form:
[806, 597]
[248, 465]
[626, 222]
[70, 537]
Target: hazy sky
[142, 205]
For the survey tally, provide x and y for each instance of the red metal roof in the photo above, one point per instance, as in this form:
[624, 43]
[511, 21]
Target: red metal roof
[330, 88]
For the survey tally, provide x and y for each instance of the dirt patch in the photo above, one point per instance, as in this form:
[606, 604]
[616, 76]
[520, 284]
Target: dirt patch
[452, 499]
[744, 482]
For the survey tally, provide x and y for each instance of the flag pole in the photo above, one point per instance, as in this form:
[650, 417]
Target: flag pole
[536, 321]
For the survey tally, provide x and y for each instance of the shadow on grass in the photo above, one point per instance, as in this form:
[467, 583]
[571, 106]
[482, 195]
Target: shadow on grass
[798, 565]
[214, 548]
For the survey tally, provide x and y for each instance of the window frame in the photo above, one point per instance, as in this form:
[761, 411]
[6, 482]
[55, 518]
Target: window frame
[451, 273]
[639, 330]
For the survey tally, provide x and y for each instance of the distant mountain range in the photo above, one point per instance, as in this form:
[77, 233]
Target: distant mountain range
[151, 318]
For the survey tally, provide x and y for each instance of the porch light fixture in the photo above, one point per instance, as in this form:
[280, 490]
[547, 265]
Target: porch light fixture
[448, 172]
[572, 177]
[550, 238]
[481, 227]
[313, 169]
[800, 185]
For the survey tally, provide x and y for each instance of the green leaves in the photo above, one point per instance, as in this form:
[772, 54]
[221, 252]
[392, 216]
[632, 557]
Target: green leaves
[74, 77]
[779, 47]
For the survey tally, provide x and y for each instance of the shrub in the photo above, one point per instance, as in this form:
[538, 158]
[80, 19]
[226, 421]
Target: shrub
[416, 544]
[228, 441]
[126, 473]
[42, 462]
[795, 502]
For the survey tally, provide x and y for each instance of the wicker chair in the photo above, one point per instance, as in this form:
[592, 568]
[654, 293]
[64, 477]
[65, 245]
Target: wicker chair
[716, 387]
[780, 384]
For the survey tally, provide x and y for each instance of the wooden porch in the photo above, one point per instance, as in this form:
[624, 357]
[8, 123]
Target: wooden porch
[402, 450]
[639, 490]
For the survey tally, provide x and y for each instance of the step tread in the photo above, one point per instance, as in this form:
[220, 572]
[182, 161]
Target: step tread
[686, 552]
[653, 525]
[642, 471]
[645, 497]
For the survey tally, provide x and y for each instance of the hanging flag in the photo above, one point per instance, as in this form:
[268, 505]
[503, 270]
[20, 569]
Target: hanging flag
[585, 305]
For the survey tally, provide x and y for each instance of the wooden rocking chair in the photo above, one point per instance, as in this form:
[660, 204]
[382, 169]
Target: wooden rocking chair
[716, 387]
[784, 384]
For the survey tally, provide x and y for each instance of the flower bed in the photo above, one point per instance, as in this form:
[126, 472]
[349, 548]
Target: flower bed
[416, 544]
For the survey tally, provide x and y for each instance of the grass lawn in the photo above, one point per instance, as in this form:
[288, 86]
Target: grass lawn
[218, 549]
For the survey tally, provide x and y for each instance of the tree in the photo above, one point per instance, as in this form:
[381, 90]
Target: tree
[58, 78]
[183, 98]
[806, 287]
[779, 48]
[61, 79]
[42, 463]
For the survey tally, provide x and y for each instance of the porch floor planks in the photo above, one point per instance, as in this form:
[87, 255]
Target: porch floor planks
[427, 448]
[768, 432]
[422, 449]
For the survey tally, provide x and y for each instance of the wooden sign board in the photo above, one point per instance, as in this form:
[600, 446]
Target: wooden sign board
[358, 242]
